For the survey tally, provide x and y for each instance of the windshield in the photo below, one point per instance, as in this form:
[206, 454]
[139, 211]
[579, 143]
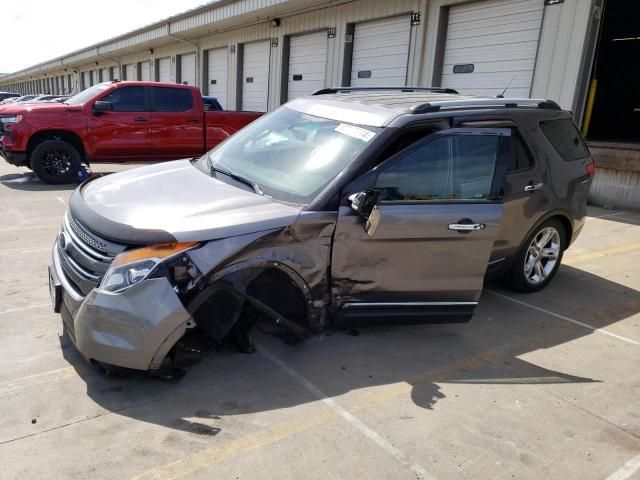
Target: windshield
[289, 155]
[87, 94]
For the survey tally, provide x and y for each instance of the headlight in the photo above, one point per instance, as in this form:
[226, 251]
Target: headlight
[11, 119]
[129, 268]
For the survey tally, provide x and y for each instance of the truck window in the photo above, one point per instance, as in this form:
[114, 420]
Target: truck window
[565, 138]
[167, 99]
[126, 99]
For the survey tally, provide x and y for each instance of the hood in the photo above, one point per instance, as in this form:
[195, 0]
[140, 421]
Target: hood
[174, 200]
[38, 107]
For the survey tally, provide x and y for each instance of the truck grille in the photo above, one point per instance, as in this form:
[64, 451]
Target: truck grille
[84, 256]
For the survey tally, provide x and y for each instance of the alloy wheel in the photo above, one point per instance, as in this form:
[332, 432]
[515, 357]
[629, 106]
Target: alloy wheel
[542, 255]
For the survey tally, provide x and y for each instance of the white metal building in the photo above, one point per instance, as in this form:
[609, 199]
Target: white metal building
[258, 54]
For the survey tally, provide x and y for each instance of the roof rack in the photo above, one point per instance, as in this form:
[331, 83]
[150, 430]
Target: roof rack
[485, 102]
[326, 91]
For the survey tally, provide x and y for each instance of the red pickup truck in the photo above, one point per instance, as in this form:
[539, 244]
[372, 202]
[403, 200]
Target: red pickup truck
[112, 122]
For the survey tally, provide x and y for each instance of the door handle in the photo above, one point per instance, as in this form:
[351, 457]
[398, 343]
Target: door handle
[141, 119]
[533, 186]
[466, 227]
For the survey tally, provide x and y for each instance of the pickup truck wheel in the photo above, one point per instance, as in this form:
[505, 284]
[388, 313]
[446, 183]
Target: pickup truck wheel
[538, 259]
[56, 162]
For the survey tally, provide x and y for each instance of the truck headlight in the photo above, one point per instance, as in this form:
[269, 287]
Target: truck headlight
[11, 119]
[133, 266]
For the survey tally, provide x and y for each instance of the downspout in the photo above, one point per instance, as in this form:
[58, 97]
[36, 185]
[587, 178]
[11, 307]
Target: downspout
[198, 79]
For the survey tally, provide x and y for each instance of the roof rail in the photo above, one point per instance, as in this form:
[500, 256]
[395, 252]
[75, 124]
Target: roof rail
[325, 91]
[485, 102]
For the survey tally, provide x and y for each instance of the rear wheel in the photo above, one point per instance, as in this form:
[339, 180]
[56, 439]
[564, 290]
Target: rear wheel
[539, 258]
[56, 162]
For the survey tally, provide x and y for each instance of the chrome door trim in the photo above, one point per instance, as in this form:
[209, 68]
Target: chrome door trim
[405, 304]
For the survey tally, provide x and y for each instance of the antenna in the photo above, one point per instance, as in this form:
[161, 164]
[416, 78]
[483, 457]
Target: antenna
[507, 87]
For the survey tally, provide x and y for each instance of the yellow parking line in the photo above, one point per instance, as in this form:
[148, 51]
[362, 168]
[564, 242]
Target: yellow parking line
[571, 260]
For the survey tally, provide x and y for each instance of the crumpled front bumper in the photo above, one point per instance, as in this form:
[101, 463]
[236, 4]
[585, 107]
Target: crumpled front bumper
[133, 329]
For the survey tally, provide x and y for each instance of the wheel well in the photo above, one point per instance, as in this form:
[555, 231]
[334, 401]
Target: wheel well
[64, 135]
[568, 229]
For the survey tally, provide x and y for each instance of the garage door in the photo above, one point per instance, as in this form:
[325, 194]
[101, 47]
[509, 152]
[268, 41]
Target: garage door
[130, 72]
[188, 69]
[164, 70]
[381, 52]
[105, 75]
[255, 76]
[491, 45]
[145, 73]
[307, 63]
[217, 75]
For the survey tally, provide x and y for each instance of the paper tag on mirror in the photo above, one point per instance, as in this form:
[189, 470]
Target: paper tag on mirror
[373, 221]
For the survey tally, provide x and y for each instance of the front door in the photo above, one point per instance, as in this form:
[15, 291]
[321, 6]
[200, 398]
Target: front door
[123, 132]
[423, 252]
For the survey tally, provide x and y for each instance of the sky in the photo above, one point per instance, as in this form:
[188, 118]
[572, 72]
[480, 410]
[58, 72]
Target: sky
[35, 31]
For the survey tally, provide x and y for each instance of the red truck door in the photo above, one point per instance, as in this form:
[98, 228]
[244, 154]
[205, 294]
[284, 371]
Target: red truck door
[124, 131]
[177, 123]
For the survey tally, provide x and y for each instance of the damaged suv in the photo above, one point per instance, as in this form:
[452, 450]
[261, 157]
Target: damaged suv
[347, 207]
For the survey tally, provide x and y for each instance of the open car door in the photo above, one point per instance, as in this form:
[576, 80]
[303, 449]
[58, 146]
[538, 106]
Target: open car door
[414, 235]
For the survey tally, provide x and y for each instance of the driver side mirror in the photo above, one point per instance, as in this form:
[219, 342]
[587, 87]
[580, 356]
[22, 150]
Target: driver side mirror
[363, 202]
[100, 107]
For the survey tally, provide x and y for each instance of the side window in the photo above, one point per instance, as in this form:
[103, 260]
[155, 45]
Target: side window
[520, 156]
[454, 167]
[127, 99]
[565, 138]
[167, 99]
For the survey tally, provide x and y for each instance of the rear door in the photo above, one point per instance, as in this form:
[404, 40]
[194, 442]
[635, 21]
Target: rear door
[124, 131]
[177, 129]
[424, 252]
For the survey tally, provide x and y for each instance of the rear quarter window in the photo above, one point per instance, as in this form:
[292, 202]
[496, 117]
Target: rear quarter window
[565, 138]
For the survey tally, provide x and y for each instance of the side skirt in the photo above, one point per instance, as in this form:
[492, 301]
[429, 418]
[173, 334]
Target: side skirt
[407, 313]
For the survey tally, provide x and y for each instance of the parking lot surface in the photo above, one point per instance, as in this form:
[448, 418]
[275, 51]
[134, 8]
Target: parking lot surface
[536, 386]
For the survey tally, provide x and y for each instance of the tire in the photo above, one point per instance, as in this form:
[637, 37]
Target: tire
[537, 263]
[56, 162]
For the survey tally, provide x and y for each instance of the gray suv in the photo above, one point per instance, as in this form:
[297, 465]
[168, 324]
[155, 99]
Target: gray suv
[347, 207]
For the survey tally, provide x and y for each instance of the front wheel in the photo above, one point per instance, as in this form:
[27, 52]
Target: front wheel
[539, 258]
[56, 162]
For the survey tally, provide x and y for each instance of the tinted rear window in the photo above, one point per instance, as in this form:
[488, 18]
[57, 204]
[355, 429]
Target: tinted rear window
[565, 138]
[168, 99]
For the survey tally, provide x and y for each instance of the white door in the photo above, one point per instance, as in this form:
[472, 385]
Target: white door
[307, 64]
[255, 76]
[105, 74]
[492, 45]
[381, 52]
[164, 70]
[188, 69]
[145, 71]
[85, 80]
[130, 72]
[218, 68]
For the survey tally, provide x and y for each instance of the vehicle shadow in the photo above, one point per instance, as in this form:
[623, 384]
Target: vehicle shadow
[28, 182]
[407, 360]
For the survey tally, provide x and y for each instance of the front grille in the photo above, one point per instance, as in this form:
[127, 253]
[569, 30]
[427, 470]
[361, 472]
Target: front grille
[84, 256]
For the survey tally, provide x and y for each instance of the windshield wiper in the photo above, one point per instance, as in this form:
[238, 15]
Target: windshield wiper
[246, 181]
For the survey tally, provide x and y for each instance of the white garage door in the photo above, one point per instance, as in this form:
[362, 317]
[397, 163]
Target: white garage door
[130, 72]
[218, 68]
[85, 81]
[188, 69]
[491, 45]
[307, 63]
[255, 76]
[145, 71]
[381, 52]
[164, 70]
[105, 74]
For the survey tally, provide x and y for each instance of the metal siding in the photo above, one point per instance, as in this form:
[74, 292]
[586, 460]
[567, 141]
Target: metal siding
[145, 71]
[381, 47]
[500, 39]
[188, 69]
[218, 75]
[256, 67]
[164, 69]
[308, 63]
